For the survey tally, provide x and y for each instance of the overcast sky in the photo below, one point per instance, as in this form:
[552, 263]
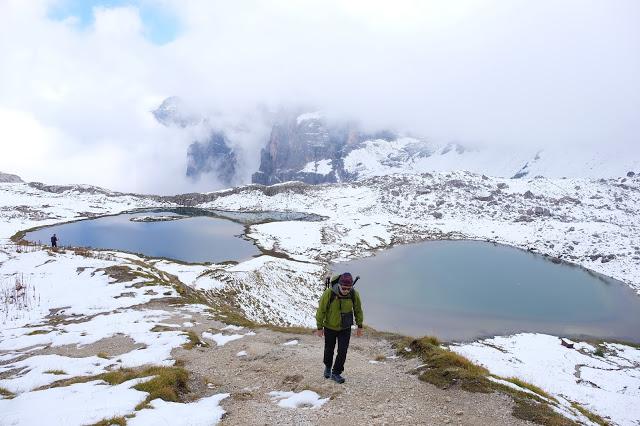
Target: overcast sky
[78, 79]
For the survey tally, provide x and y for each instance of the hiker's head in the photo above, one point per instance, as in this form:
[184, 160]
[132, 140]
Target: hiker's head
[345, 283]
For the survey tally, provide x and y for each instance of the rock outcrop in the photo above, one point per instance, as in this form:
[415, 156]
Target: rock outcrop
[307, 148]
[9, 178]
[210, 155]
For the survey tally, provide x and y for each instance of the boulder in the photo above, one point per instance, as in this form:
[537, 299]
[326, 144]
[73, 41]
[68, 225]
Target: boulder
[567, 343]
[456, 183]
[524, 218]
[485, 197]
[528, 195]
[541, 211]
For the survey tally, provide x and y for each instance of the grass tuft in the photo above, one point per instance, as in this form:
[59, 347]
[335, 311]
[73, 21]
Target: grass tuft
[194, 340]
[532, 388]
[588, 414]
[539, 413]
[36, 332]
[6, 393]
[444, 367]
[168, 383]
[113, 421]
[56, 372]
[103, 355]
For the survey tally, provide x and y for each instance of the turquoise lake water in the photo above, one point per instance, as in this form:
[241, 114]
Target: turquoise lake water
[462, 290]
[196, 238]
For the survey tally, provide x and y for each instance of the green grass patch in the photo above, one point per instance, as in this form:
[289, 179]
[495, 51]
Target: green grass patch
[36, 332]
[113, 421]
[6, 393]
[532, 388]
[194, 340]
[599, 351]
[539, 413]
[444, 367]
[103, 355]
[168, 383]
[56, 372]
[590, 415]
[163, 328]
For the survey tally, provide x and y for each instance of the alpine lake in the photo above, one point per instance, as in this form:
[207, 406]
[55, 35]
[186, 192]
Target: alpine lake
[184, 234]
[456, 290]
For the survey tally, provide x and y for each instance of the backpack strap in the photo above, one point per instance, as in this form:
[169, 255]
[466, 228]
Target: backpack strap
[352, 296]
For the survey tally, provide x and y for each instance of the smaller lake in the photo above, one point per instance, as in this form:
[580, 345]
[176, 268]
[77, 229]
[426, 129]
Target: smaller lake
[198, 236]
[463, 290]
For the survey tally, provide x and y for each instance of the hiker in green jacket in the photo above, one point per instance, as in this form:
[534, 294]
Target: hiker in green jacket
[334, 319]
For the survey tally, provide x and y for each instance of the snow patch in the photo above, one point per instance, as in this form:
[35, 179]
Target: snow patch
[607, 385]
[220, 338]
[204, 412]
[321, 167]
[79, 404]
[304, 399]
[308, 116]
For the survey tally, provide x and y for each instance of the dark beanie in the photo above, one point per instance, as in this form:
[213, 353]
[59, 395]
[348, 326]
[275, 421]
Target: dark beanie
[346, 279]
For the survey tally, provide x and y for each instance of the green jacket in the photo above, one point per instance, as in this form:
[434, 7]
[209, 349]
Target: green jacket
[329, 315]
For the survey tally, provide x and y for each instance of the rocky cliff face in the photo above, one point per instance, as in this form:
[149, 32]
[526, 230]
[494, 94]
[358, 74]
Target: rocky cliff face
[8, 178]
[173, 112]
[308, 149]
[212, 155]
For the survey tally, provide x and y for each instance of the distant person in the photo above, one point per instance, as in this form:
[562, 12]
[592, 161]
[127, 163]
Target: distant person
[334, 319]
[54, 241]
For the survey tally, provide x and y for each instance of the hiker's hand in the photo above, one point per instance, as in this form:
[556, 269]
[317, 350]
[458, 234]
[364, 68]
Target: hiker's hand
[320, 333]
[358, 332]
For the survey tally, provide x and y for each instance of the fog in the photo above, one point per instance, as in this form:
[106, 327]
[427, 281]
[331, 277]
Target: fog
[76, 100]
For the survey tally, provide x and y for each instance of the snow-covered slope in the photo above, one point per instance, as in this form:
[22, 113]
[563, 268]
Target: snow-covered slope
[410, 155]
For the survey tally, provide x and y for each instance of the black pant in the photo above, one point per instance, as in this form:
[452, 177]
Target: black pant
[330, 337]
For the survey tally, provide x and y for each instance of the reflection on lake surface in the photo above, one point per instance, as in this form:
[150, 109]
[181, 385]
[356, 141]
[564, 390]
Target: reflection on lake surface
[461, 290]
[199, 236]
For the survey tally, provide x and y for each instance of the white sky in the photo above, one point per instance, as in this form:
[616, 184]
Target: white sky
[75, 101]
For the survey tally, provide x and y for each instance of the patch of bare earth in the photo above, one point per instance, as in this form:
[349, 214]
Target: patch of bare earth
[384, 392]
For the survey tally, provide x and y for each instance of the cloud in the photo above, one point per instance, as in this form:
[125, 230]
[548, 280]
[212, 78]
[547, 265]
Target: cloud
[518, 73]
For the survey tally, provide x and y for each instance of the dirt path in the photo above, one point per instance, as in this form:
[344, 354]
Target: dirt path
[375, 393]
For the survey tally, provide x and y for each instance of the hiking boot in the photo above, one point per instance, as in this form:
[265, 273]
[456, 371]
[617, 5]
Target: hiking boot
[337, 378]
[327, 372]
